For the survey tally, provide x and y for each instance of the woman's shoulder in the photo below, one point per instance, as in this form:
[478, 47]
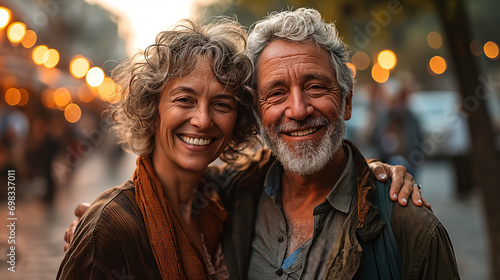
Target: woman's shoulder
[116, 207]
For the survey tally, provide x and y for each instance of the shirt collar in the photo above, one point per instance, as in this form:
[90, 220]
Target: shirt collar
[340, 196]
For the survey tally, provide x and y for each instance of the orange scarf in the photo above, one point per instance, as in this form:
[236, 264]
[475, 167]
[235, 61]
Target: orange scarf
[175, 254]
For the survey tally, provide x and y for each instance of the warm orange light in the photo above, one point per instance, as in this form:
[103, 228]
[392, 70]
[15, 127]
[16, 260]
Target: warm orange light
[29, 39]
[62, 97]
[437, 65]
[79, 67]
[353, 69]
[39, 54]
[379, 74]
[16, 31]
[72, 113]
[491, 50]
[84, 94]
[95, 76]
[476, 48]
[24, 97]
[434, 40]
[387, 59]
[51, 58]
[107, 89]
[48, 98]
[12, 96]
[4, 17]
[361, 60]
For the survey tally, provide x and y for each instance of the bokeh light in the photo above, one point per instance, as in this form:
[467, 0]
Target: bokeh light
[72, 113]
[353, 69]
[12, 96]
[85, 94]
[51, 58]
[62, 97]
[108, 90]
[95, 76]
[491, 50]
[387, 59]
[39, 54]
[379, 74]
[16, 32]
[437, 65]
[29, 39]
[434, 40]
[361, 60]
[4, 17]
[476, 48]
[24, 97]
[79, 67]
[48, 98]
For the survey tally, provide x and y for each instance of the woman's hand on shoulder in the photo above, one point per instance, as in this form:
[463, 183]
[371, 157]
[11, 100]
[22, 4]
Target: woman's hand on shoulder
[402, 185]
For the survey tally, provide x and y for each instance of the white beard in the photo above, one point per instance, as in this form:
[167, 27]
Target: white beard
[306, 157]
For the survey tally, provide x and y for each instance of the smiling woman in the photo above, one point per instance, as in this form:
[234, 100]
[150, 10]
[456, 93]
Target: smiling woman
[181, 101]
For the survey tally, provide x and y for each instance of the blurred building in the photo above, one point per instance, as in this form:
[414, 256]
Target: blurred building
[55, 61]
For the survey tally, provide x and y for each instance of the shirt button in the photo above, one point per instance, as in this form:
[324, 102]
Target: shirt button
[279, 272]
[280, 238]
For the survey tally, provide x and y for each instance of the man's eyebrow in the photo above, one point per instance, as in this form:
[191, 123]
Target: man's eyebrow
[319, 76]
[273, 84]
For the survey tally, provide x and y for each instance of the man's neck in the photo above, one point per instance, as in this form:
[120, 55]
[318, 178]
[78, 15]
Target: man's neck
[315, 186]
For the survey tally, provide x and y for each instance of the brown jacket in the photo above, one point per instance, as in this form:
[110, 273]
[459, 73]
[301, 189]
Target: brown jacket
[111, 241]
[424, 246]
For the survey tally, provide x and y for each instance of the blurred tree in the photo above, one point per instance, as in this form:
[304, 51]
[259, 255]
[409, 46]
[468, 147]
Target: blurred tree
[474, 89]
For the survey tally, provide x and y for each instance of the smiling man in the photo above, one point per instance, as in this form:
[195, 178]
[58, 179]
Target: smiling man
[312, 208]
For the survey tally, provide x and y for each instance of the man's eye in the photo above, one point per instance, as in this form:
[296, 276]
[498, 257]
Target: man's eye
[316, 87]
[276, 93]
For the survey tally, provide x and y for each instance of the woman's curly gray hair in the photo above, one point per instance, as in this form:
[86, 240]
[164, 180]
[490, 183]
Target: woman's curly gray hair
[174, 54]
[301, 25]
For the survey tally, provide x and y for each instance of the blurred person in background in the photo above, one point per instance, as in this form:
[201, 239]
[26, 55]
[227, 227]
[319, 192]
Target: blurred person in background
[397, 131]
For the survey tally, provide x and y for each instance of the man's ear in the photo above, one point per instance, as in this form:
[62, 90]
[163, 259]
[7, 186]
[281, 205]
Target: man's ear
[348, 105]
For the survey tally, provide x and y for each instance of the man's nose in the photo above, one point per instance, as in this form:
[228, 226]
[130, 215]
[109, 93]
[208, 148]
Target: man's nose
[202, 119]
[298, 107]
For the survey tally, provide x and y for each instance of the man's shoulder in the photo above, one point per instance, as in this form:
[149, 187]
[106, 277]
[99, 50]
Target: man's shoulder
[255, 168]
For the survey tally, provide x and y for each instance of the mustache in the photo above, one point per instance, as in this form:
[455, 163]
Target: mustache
[298, 125]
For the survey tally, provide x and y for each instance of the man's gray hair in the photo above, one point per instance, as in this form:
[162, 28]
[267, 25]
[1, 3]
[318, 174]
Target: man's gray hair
[300, 25]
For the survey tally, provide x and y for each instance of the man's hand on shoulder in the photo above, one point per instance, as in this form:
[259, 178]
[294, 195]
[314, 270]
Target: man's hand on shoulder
[402, 185]
[70, 231]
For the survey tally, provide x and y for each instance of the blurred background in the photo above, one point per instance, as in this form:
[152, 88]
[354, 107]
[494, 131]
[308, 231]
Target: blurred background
[426, 96]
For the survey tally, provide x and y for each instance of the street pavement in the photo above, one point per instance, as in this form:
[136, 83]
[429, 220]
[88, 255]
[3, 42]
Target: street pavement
[40, 228]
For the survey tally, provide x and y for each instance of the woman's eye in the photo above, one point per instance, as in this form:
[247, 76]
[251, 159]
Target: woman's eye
[183, 100]
[223, 106]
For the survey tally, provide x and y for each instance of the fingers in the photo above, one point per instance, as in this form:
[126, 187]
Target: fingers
[401, 185]
[70, 231]
[68, 234]
[426, 204]
[378, 169]
[80, 209]
[406, 189]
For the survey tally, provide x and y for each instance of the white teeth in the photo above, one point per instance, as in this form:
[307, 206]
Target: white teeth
[304, 132]
[195, 141]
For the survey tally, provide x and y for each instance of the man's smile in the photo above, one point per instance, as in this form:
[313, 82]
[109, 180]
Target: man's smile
[302, 132]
